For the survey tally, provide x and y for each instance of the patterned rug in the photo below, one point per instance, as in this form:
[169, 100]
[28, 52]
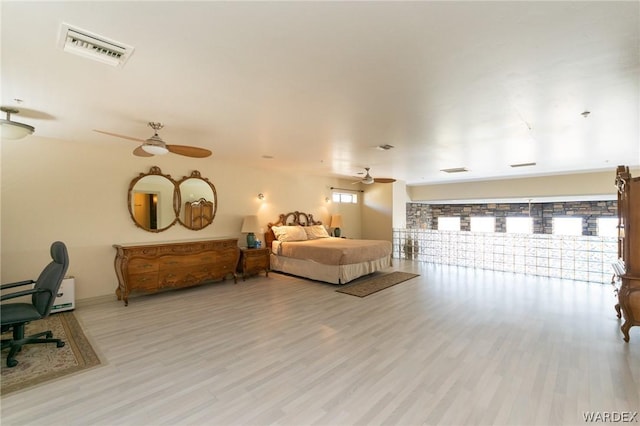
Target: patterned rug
[375, 284]
[43, 362]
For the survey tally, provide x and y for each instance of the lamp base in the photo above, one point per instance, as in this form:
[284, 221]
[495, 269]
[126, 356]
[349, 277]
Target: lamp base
[251, 240]
[336, 232]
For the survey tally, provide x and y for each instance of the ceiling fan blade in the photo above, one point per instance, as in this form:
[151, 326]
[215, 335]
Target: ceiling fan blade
[119, 136]
[189, 151]
[384, 180]
[139, 152]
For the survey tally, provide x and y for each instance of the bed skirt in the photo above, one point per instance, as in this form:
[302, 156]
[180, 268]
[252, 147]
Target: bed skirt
[334, 274]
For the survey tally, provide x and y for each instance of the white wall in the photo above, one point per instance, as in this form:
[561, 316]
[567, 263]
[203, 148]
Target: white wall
[377, 212]
[77, 193]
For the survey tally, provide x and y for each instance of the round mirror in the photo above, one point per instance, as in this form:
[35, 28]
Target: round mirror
[152, 201]
[198, 201]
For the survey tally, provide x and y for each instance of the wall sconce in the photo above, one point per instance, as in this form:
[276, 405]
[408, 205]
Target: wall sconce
[327, 199]
[261, 196]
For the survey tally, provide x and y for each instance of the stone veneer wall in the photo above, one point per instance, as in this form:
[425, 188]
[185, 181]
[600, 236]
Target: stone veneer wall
[425, 216]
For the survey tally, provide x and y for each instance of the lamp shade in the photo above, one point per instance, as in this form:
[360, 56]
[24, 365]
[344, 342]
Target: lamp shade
[336, 221]
[12, 129]
[250, 224]
[154, 149]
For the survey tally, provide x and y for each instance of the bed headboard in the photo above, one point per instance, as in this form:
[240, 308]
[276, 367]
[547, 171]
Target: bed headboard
[291, 218]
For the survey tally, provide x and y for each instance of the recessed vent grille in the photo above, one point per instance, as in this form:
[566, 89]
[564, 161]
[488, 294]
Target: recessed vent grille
[455, 170]
[523, 165]
[84, 43]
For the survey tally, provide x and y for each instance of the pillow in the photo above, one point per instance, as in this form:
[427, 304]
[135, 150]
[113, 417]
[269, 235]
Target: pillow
[316, 231]
[289, 233]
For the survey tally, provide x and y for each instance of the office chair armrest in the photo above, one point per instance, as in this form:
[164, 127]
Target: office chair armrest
[25, 293]
[16, 284]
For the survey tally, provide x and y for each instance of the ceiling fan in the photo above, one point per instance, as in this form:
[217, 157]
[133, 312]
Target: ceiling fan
[156, 146]
[368, 179]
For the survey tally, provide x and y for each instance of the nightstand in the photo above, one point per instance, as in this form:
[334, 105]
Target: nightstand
[253, 260]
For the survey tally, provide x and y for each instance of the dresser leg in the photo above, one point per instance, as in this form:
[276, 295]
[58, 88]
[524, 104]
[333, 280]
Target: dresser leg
[618, 310]
[625, 330]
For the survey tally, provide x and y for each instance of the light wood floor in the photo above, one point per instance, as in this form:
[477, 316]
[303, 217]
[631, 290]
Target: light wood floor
[455, 346]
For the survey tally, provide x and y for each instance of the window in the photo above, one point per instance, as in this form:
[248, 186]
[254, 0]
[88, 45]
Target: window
[446, 223]
[483, 224]
[608, 226]
[567, 226]
[343, 197]
[519, 225]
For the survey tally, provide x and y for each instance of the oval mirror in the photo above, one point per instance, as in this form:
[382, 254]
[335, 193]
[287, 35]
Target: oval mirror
[198, 201]
[152, 202]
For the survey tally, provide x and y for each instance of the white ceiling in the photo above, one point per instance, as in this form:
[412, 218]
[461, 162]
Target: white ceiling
[318, 85]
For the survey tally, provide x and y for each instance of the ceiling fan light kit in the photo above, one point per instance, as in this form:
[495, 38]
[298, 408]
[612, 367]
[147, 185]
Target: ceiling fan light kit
[154, 149]
[12, 129]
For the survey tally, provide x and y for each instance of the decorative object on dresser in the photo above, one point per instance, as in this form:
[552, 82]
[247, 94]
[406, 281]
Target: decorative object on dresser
[336, 223]
[155, 199]
[300, 246]
[629, 247]
[253, 261]
[250, 227]
[157, 266]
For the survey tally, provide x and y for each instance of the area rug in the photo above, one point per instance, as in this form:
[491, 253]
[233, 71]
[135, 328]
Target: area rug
[375, 284]
[44, 362]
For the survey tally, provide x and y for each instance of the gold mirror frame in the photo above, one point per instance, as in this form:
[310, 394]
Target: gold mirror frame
[198, 203]
[154, 201]
[151, 201]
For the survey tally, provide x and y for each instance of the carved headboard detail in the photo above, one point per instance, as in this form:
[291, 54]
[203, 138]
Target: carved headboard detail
[291, 218]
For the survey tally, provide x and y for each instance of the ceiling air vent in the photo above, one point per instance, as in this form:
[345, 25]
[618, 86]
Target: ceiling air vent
[455, 170]
[523, 165]
[84, 43]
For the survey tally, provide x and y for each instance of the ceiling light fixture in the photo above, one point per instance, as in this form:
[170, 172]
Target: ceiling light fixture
[13, 129]
[155, 145]
[155, 150]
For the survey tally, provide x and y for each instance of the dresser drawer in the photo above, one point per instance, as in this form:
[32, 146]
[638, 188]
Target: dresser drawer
[141, 265]
[145, 282]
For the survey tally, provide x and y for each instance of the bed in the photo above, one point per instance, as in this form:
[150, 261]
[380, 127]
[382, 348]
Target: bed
[301, 246]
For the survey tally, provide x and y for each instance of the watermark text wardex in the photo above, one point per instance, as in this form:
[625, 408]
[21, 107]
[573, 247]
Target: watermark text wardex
[610, 416]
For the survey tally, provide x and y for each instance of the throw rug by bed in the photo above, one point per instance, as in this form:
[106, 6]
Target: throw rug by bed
[376, 283]
[40, 363]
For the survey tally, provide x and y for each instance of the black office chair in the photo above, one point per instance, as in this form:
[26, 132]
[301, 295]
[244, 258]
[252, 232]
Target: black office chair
[16, 315]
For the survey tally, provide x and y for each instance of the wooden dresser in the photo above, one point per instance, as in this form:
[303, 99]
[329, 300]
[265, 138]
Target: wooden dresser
[157, 266]
[629, 247]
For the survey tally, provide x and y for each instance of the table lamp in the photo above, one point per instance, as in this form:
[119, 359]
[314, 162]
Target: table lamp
[336, 223]
[250, 226]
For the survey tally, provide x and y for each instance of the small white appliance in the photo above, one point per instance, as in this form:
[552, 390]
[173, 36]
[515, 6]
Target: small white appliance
[66, 297]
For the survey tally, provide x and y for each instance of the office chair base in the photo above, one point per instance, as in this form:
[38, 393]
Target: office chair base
[16, 344]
